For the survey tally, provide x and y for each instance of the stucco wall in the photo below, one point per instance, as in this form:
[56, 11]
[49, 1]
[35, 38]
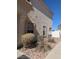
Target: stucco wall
[34, 14]
[22, 9]
[40, 20]
[40, 5]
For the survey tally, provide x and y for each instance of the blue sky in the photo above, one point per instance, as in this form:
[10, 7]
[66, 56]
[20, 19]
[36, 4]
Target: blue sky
[55, 7]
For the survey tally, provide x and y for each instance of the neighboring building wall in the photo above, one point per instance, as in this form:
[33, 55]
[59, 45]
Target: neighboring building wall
[56, 33]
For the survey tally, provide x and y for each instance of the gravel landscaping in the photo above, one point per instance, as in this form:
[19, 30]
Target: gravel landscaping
[38, 52]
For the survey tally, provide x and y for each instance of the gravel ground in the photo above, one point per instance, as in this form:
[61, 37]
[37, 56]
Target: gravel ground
[34, 53]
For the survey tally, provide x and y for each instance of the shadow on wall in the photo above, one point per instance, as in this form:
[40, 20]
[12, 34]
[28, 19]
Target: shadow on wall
[23, 7]
[26, 28]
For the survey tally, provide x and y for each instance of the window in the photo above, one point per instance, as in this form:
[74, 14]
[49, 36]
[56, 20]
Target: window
[44, 30]
[50, 32]
[29, 27]
[50, 29]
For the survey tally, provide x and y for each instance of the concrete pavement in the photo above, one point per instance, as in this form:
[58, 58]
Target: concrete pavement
[55, 53]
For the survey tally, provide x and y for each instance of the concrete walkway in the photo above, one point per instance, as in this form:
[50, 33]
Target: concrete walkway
[19, 53]
[55, 53]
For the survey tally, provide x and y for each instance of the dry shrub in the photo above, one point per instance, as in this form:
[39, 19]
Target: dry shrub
[27, 39]
[43, 45]
[51, 40]
[56, 39]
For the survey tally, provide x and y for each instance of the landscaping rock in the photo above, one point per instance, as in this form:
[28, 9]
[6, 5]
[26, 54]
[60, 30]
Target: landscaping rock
[23, 57]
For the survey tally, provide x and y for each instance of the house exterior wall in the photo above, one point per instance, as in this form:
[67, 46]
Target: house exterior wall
[41, 6]
[35, 15]
[40, 20]
[22, 9]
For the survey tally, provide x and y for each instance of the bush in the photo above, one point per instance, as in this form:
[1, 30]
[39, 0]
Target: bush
[43, 45]
[28, 39]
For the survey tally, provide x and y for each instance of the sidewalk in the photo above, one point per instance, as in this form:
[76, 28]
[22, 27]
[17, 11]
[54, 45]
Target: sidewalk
[55, 53]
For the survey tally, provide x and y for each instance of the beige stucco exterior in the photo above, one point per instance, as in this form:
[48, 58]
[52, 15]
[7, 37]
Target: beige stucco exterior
[40, 20]
[37, 15]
